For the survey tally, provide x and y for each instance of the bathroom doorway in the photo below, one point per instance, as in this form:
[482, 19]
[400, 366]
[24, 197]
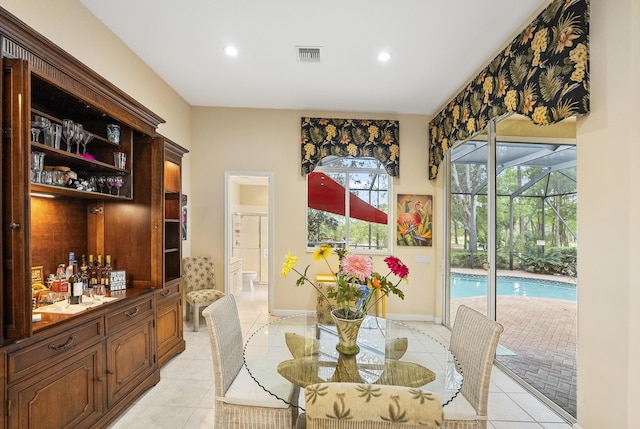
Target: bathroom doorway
[248, 232]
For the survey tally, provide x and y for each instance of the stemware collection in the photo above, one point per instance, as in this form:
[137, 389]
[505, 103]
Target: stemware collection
[73, 133]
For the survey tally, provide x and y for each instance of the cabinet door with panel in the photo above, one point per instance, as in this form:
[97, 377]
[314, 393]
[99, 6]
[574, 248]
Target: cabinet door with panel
[66, 395]
[169, 326]
[15, 232]
[130, 359]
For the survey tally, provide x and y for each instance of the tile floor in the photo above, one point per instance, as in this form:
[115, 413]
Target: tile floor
[183, 399]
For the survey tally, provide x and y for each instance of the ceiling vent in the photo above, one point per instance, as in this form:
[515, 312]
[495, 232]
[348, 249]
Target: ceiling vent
[308, 54]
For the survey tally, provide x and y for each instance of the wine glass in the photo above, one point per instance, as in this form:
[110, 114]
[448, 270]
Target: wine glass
[101, 181]
[67, 132]
[87, 137]
[60, 300]
[87, 296]
[41, 122]
[118, 183]
[93, 183]
[99, 292]
[78, 136]
[45, 298]
[35, 131]
[110, 182]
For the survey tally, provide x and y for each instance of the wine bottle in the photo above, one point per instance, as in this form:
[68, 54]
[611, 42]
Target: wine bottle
[75, 286]
[106, 271]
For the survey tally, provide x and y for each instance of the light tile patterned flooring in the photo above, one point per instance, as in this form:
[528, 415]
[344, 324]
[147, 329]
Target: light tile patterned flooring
[183, 399]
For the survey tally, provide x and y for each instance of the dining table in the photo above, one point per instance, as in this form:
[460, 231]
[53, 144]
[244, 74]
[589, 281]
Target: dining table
[297, 349]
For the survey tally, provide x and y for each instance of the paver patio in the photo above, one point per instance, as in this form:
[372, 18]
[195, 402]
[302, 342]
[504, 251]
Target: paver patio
[541, 333]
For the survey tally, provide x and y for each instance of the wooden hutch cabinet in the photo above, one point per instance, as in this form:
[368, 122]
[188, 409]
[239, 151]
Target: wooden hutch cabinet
[102, 358]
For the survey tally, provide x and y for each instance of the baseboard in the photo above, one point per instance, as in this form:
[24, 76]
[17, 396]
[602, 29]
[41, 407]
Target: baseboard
[576, 426]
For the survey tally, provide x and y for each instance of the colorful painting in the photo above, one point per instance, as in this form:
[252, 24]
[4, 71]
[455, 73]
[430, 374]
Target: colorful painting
[415, 216]
[184, 217]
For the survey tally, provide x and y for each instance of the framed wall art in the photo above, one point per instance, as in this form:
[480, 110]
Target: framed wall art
[184, 217]
[414, 222]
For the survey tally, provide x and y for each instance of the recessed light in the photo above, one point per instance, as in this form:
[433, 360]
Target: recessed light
[384, 56]
[231, 51]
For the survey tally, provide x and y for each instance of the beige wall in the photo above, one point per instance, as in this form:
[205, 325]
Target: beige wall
[608, 216]
[262, 140]
[253, 195]
[268, 140]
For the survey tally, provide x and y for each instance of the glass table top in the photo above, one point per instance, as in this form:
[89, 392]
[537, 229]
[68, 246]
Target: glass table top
[298, 350]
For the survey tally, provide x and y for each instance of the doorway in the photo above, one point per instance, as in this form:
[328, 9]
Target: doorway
[248, 232]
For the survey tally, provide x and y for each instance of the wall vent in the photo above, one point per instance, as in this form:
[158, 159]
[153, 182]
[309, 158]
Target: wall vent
[308, 54]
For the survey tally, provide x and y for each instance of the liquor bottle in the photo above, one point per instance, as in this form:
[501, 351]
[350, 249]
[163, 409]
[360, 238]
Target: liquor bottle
[93, 274]
[90, 269]
[84, 274]
[106, 271]
[69, 269]
[98, 270]
[63, 281]
[75, 286]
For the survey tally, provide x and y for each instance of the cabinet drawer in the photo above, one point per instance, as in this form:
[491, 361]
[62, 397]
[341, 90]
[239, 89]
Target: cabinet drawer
[53, 349]
[131, 313]
[168, 293]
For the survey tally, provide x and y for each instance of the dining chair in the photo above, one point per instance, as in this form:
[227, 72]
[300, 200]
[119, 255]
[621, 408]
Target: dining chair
[200, 286]
[474, 339]
[240, 403]
[369, 406]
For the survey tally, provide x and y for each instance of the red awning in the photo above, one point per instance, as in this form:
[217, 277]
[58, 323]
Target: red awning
[326, 194]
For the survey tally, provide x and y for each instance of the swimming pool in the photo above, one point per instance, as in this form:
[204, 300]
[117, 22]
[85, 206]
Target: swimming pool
[468, 285]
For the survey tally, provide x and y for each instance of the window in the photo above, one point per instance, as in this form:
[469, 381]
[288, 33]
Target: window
[357, 219]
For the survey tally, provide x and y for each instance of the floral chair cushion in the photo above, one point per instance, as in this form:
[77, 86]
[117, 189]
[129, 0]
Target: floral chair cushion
[355, 402]
[203, 296]
[199, 273]
[324, 306]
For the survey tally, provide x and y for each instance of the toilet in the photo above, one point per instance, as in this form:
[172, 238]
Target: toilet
[247, 280]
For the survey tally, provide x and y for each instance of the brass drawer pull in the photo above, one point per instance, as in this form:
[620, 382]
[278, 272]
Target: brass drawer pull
[135, 313]
[166, 292]
[65, 346]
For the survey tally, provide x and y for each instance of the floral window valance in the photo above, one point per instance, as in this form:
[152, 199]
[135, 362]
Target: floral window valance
[543, 74]
[350, 137]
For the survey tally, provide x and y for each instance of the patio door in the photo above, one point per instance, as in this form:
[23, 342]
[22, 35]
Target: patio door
[469, 226]
[513, 187]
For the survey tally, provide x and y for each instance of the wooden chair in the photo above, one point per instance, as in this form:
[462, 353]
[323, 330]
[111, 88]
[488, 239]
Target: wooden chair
[369, 406]
[240, 403]
[474, 339]
[200, 286]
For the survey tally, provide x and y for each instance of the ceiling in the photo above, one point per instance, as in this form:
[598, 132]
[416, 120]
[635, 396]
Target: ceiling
[435, 48]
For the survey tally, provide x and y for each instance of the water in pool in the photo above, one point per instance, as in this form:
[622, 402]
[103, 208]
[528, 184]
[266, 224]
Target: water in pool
[465, 285]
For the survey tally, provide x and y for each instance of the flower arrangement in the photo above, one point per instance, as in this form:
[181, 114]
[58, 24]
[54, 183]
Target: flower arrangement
[356, 281]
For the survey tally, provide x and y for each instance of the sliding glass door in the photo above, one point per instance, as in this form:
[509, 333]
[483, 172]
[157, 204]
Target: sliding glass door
[521, 269]
[469, 225]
